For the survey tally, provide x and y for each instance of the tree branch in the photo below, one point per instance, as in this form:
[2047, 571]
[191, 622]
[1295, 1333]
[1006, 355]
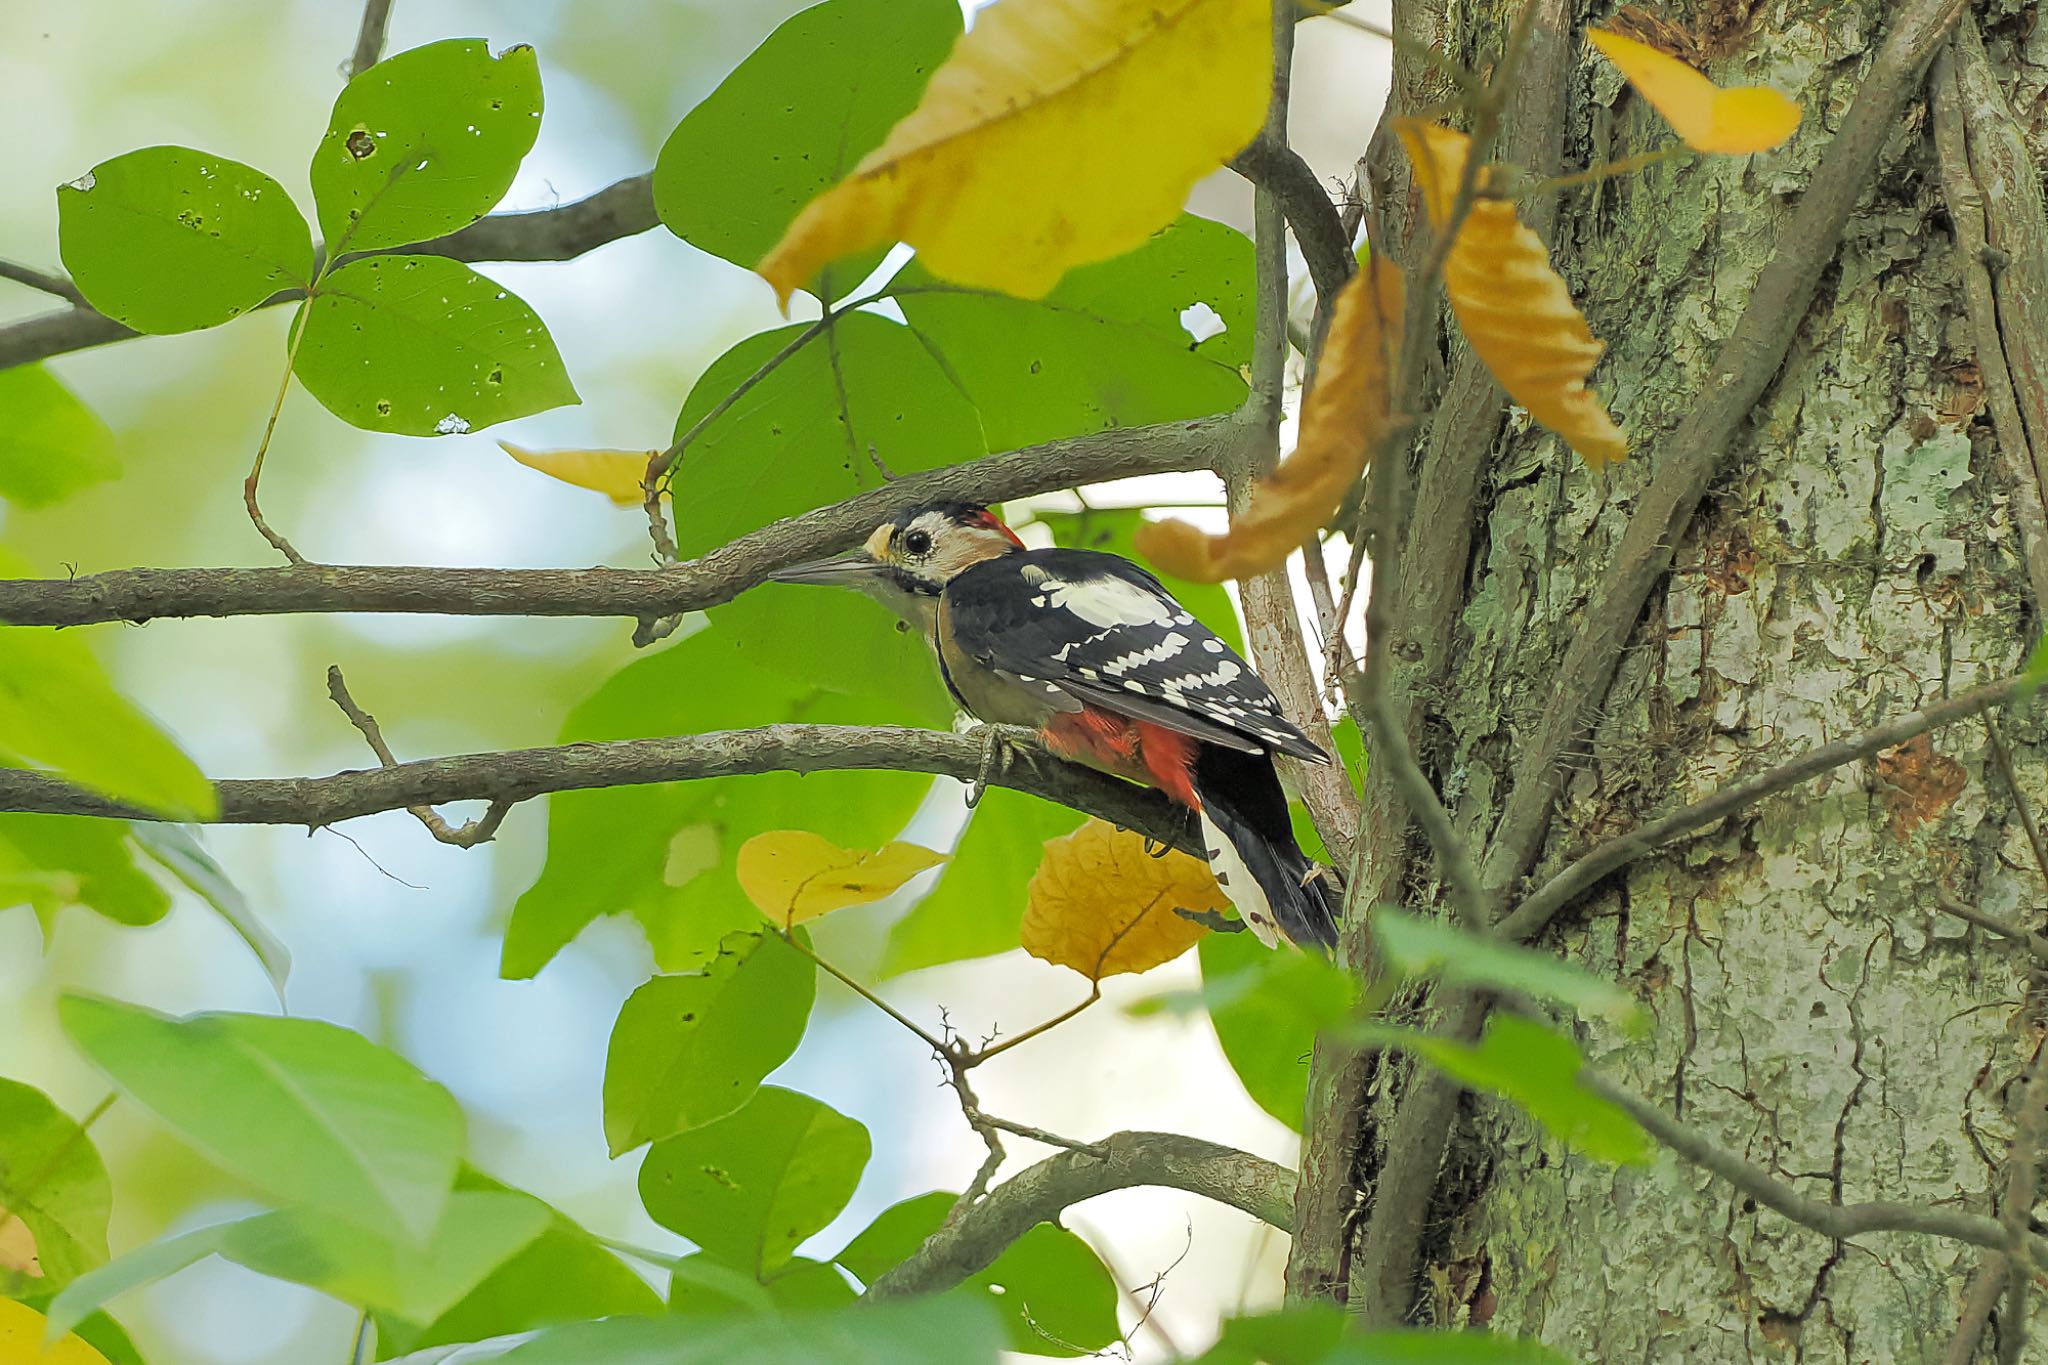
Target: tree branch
[1535, 910]
[721, 575]
[1742, 371]
[1278, 169]
[557, 234]
[1040, 1193]
[370, 37]
[1839, 1221]
[520, 774]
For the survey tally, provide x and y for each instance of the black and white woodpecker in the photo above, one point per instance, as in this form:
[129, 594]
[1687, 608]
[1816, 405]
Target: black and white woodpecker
[1093, 653]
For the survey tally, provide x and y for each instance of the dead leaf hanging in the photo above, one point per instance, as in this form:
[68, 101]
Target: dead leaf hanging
[1343, 418]
[1734, 121]
[792, 875]
[1515, 310]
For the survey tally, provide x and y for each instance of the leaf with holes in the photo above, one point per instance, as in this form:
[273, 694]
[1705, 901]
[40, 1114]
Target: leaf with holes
[168, 239]
[794, 117]
[693, 1047]
[425, 346]
[751, 1187]
[1343, 418]
[983, 177]
[1102, 904]
[792, 875]
[1747, 118]
[424, 143]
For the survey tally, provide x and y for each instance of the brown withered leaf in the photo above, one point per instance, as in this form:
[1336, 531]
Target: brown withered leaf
[1101, 904]
[18, 1247]
[1343, 418]
[1515, 310]
[1920, 783]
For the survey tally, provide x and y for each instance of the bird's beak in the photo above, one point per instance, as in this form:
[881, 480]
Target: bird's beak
[850, 570]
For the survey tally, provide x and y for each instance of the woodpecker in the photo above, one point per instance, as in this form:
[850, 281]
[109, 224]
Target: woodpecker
[1094, 653]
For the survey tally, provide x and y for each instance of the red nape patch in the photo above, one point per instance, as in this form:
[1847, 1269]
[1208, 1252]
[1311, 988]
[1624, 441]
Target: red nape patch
[1136, 749]
[995, 523]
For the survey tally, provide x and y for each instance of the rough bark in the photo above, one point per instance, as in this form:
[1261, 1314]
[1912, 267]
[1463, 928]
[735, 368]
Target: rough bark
[1860, 556]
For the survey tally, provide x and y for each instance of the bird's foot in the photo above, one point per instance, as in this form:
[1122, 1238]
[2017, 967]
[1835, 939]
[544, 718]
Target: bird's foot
[998, 744]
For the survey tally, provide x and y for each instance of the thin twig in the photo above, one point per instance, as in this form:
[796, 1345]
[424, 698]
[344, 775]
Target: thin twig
[1986, 1285]
[789, 937]
[370, 37]
[1534, 912]
[980, 1055]
[1839, 1221]
[2016, 1209]
[711, 579]
[472, 832]
[2025, 808]
[284, 384]
[49, 283]
[1950, 904]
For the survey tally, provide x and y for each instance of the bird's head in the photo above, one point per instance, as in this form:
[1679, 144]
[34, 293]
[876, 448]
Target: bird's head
[908, 560]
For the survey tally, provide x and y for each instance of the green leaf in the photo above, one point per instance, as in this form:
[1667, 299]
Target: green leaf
[1303, 1334]
[691, 1048]
[792, 119]
[146, 1264]
[1537, 1068]
[562, 1275]
[1267, 1008]
[753, 1185]
[861, 398]
[1054, 1294]
[1106, 348]
[1415, 946]
[609, 849]
[58, 711]
[52, 1179]
[174, 848]
[51, 445]
[977, 905]
[800, 1285]
[166, 239]
[51, 861]
[935, 1331]
[425, 346]
[2036, 671]
[424, 143]
[310, 1112]
[477, 1233]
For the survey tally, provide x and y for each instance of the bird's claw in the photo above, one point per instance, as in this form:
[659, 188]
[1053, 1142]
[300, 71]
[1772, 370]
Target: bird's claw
[998, 742]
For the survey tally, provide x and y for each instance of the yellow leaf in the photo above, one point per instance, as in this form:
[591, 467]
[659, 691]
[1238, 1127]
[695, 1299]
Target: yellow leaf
[1101, 904]
[1058, 132]
[18, 1249]
[792, 875]
[21, 1340]
[614, 473]
[1343, 418]
[1748, 118]
[1515, 310]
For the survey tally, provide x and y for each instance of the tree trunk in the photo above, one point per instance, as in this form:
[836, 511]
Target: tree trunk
[1862, 551]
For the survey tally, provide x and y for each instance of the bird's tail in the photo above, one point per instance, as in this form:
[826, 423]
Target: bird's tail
[1250, 842]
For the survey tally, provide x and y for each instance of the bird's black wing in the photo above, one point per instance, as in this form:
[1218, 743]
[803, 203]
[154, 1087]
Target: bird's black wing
[1103, 630]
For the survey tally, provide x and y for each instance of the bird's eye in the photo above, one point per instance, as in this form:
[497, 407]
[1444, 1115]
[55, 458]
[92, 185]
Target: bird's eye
[917, 542]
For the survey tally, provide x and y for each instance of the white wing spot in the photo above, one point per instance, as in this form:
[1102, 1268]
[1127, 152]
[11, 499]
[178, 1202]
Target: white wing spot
[1112, 602]
[1214, 646]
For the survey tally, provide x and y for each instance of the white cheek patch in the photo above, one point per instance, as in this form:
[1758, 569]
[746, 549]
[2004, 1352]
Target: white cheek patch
[1106, 602]
[1237, 882]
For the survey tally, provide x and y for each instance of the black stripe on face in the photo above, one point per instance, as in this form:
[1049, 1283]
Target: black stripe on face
[912, 584]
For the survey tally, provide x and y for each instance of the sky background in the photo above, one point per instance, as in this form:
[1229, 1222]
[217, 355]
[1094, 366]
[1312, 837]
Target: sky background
[392, 933]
